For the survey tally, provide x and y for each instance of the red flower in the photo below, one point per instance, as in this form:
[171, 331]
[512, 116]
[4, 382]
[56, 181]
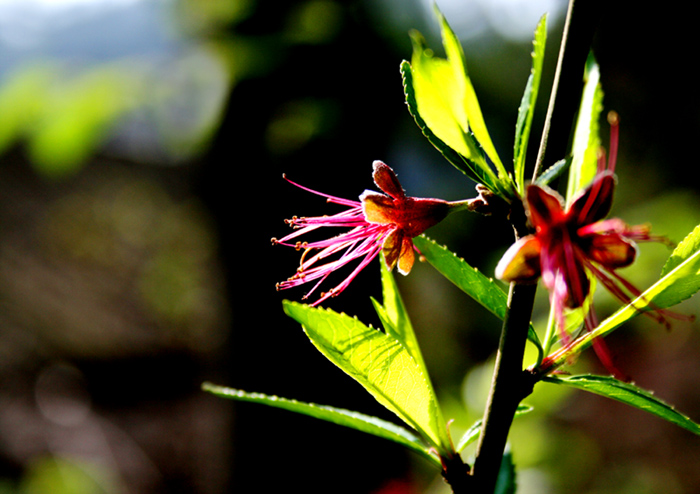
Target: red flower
[378, 223]
[572, 243]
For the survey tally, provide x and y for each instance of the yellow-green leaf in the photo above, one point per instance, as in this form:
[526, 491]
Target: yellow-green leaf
[381, 364]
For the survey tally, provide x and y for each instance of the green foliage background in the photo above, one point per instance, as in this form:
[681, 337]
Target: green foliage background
[135, 260]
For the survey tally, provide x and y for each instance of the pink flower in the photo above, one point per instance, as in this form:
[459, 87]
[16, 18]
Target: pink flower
[378, 223]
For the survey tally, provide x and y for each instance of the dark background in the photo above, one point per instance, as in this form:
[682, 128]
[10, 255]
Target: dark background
[140, 184]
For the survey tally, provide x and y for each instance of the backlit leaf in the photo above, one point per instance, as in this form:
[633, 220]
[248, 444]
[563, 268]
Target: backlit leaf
[586, 143]
[381, 364]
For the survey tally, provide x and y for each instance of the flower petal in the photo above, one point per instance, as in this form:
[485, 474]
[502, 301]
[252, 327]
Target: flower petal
[386, 180]
[594, 202]
[406, 257]
[612, 251]
[544, 207]
[521, 262]
[577, 283]
[392, 248]
[378, 208]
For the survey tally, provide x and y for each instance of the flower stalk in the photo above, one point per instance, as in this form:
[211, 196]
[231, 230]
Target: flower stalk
[510, 383]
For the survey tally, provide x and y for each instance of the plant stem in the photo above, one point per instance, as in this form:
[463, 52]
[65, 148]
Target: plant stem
[508, 388]
[510, 383]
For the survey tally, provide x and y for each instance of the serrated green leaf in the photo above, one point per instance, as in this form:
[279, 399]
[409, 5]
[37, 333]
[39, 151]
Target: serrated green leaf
[467, 95]
[480, 174]
[347, 418]
[473, 432]
[381, 364]
[468, 279]
[395, 319]
[443, 97]
[689, 246]
[553, 172]
[584, 163]
[626, 393]
[527, 104]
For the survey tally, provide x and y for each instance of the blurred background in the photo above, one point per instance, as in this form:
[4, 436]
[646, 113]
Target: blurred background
[142, 148]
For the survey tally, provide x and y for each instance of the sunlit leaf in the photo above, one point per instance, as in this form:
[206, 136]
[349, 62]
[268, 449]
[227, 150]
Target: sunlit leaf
[466, 95]
[395, 318]
[586, 143]
[468, 279]
[339, 416]
[689, 246]
[527, 104]
[481, 174]
[446, 103]
[380, 363]
[627, 393]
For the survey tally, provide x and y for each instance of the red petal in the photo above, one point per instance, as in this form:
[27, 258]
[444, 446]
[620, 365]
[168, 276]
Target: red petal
[594, 202]
[386, 180]
[611, 250]
[544, 207]
[521, 262]
[575, 276]
[398, 249]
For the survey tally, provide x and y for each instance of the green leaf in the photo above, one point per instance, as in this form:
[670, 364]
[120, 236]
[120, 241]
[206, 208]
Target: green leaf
[466, 95]
[468, 279]
[553, 172]
[689, 246]
[395, 319]
[381, 364]
[506, 481]
[354, 420]
[444, 98]
[527, 104]
[473, 432]
[627, 393]
[481, 174]
[586, 143]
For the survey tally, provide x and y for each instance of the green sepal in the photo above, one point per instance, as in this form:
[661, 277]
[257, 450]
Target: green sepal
[347, 418]
[626, 393]
[553, 172]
